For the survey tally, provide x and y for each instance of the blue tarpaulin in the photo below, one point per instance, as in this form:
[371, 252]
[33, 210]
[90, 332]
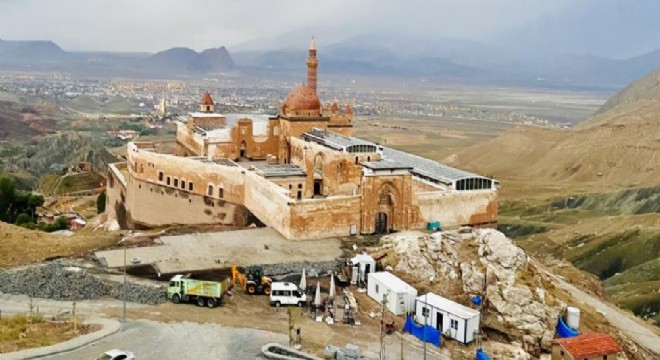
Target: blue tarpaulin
[423, 332]
[481, 355]
[564, 331]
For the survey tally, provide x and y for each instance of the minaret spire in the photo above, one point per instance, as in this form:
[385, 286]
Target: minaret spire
[312, 66]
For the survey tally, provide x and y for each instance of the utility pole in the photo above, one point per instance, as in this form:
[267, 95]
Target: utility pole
[426, 318]
[382, 326]
[124, 290]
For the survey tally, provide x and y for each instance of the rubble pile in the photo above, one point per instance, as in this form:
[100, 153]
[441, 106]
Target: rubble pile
[518, 304]
[61, 281]
[312, 269]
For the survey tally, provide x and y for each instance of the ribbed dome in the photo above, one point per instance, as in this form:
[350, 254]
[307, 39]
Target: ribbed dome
[302, 98]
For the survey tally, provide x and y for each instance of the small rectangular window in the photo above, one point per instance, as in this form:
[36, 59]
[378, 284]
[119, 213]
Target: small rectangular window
[454, 324]
[210, 190]
[221, 193]
[160, 176]
[425, 311]
[190, 186]
[183, 184]
[168, 180]
[176, 182]
[377, 291]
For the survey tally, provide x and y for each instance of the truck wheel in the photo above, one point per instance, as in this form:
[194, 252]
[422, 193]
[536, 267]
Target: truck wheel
[210, 303]
[267, 290]
[251, 289]
[200, 301]
[277, 304]
[176, 298]
[301, 303]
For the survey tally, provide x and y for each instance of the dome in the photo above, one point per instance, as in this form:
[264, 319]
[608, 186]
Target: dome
[302, 98]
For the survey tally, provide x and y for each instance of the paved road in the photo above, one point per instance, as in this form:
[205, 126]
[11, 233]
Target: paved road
[155, 340]
[637, 332]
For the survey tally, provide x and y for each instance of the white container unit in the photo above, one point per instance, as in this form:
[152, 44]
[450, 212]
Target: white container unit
[400, 295]
[573, 317]
[451, 318]
[366, 264]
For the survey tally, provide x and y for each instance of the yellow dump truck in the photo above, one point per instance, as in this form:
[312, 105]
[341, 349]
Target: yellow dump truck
[204, 293]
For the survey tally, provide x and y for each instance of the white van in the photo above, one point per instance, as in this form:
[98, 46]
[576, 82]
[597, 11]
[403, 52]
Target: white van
[285, 293]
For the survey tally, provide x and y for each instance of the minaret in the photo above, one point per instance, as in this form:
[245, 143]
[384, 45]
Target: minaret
[312, 66]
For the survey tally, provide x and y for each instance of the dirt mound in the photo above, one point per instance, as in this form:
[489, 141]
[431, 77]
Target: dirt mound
[646, 88]
[20, 246]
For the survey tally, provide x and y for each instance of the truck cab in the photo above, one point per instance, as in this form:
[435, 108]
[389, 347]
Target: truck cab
[175, 286]
[285, 293]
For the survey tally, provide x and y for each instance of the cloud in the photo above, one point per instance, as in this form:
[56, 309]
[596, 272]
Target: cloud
[156, 24]
[153, 25]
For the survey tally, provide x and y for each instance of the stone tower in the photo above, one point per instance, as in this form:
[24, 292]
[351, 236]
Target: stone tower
[312, 66]
[207, 105]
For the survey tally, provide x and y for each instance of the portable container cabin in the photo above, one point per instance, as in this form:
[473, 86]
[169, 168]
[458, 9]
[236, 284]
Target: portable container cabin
[451, 318]
[400, 295]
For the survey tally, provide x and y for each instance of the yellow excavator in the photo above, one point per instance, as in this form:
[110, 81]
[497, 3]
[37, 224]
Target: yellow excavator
[254, 282]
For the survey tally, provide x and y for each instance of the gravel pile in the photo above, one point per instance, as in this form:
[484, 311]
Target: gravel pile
[312, 269]
[60, 281]
[143, 294]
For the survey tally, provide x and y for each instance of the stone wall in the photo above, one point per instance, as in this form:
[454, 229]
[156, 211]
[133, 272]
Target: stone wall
[185, 139]
[341, 174]
[255, 147]
[319, 218]
[454, 209]
[116, 194]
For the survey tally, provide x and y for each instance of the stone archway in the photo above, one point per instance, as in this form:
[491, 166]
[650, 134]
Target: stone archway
[319, 162]
[384, 220]
[243, 150]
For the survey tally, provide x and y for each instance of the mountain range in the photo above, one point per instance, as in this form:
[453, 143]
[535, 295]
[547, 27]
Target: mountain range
[386, 55]
[47, 56]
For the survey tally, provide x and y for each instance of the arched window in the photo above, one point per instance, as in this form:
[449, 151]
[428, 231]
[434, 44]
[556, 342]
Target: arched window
[385, 198]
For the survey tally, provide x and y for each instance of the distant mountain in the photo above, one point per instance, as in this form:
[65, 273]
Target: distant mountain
[46, 56]
[35, 51]
[644, 89]
[446, 59]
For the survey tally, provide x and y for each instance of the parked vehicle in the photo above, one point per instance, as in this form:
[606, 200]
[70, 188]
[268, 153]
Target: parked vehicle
[253, 282]
[285, 293]
[204, 293]
[116, 354]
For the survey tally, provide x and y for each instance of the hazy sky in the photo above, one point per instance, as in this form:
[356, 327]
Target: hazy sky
[153, 25]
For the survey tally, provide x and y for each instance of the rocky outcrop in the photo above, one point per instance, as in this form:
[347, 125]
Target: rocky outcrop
[485, 262]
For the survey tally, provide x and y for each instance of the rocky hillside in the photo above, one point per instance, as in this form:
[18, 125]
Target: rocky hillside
[65, 148]
[522, 301]
[616, 148]
[646, 88]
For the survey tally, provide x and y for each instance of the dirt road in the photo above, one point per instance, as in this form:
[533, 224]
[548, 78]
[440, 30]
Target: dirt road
[630, 326]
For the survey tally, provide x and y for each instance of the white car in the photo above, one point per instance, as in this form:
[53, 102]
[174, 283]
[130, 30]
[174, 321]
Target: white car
[116, 354]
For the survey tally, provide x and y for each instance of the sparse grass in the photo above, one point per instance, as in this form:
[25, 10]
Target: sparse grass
[25, 331]
[20, 246]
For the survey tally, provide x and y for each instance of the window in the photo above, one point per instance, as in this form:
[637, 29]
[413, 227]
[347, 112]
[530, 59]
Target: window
[356, 160]
[290, 186]
[221, 193]
[377, 291]
[183, 184]
[190, 186]
[176, 182]
[210, 190]
[425, 311]
[299, 186]
[454, 324]
[160, 176]
[168, 180]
